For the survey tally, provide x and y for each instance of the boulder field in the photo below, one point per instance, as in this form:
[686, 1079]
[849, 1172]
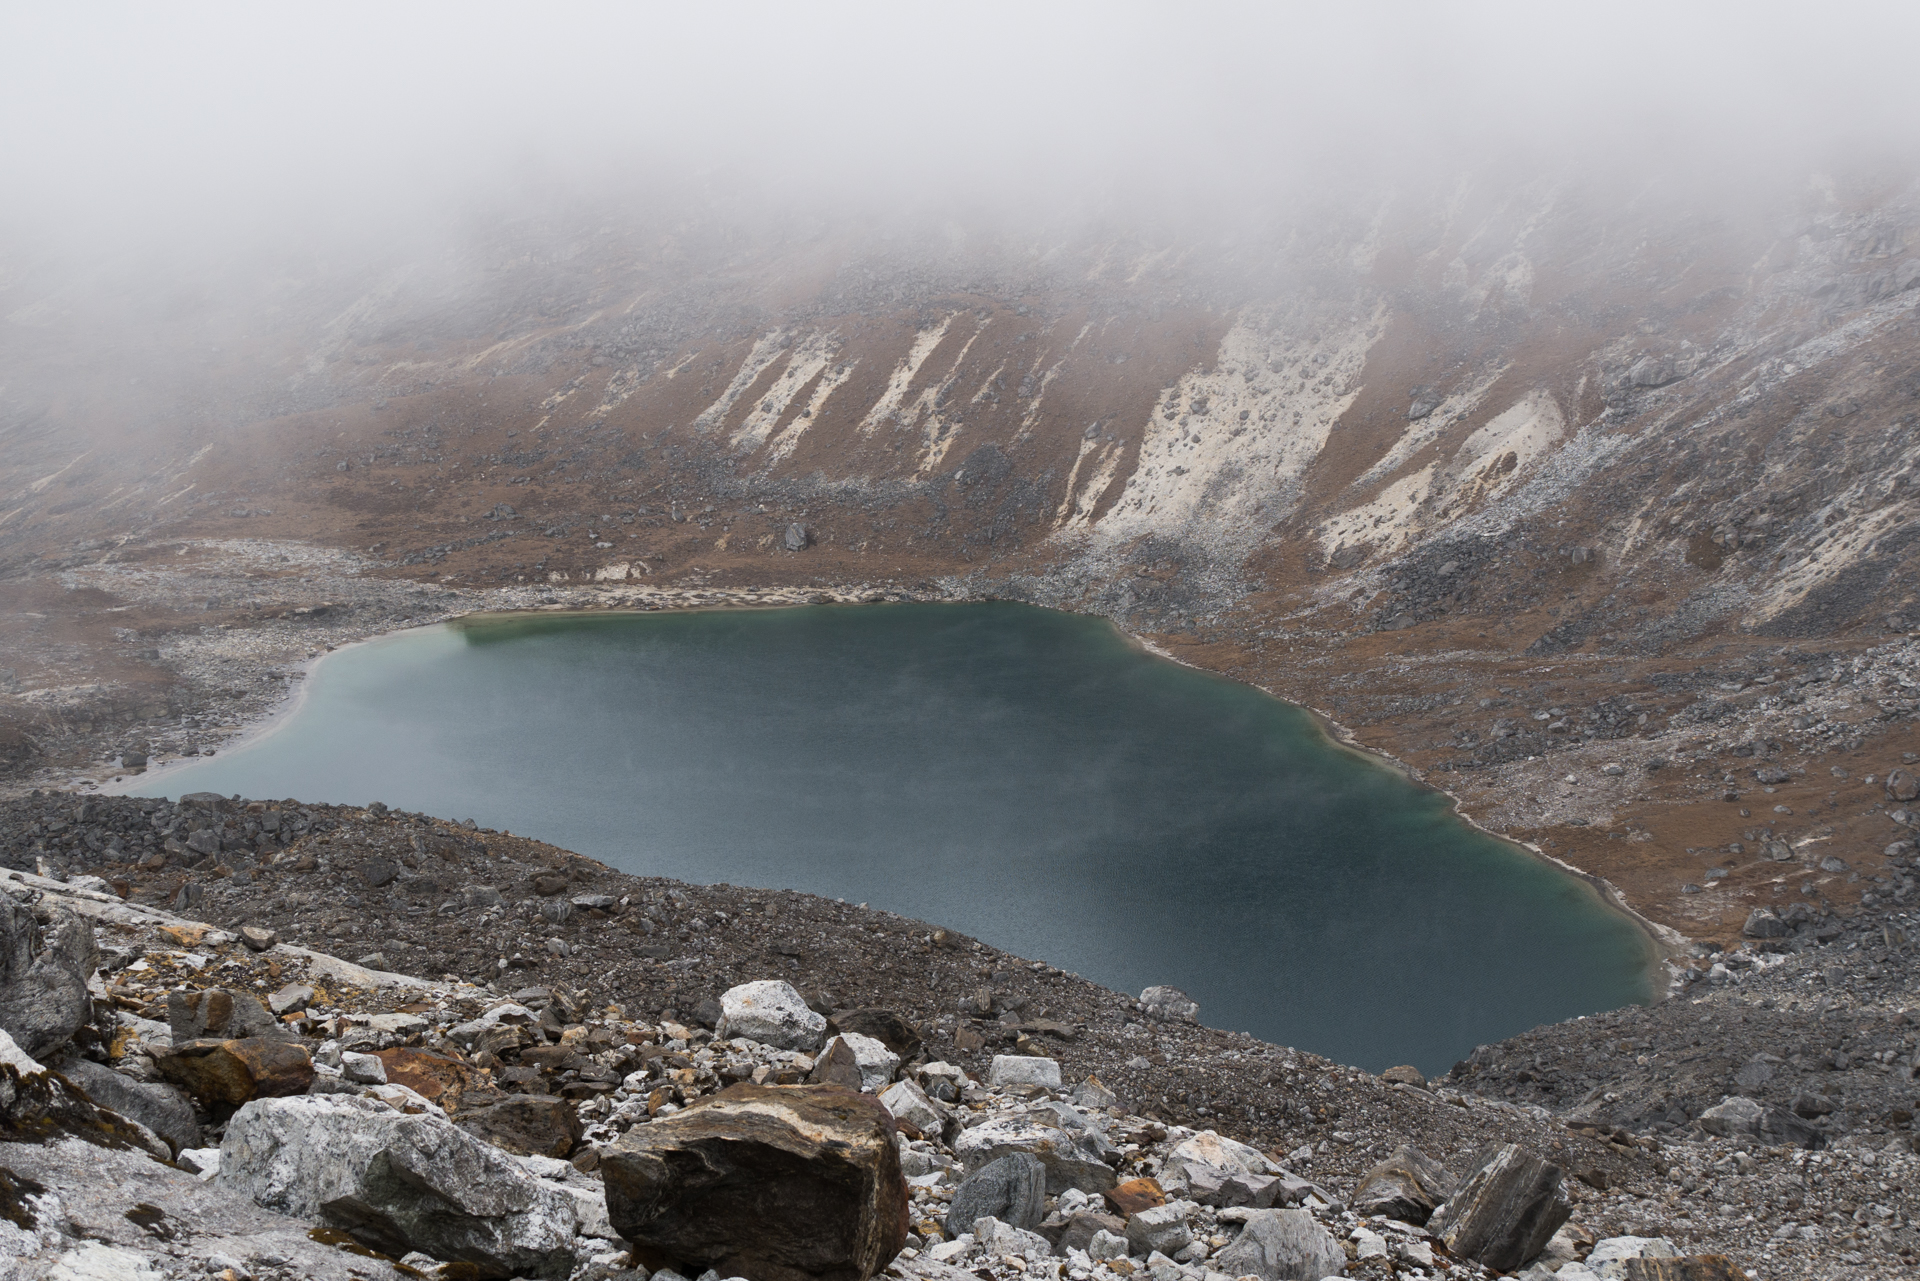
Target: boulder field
[544, 1068]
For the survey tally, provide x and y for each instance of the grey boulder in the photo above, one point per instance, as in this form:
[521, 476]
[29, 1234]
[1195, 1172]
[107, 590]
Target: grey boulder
[164, 1109]
[1505, 1211]
[1734, 1118]
[1406, 1186]
[43, 976]
[1072, 1157]
[1012, 1189]
[771, 1012]
[1169, 1005]
[398, 1183]
[1282, 1245]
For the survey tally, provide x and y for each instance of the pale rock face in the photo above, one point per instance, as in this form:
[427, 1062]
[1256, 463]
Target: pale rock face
[1020, 1069]
[94, 1262]
[398, 1183]
[1283, 1245]
[43, 989]
[771, 1012]
[876, 1062]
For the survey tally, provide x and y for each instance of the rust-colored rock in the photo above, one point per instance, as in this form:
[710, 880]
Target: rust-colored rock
[529, 1124]
[773, 1183]
[438, 1078]
[1134, 1196]
[235, 1072]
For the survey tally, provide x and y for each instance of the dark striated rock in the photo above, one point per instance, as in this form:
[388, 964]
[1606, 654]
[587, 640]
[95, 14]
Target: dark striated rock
[1745, 1118]
[1763, 924]
[838, 1066]
[1012, 1189]
[43, 976]
[529, 1124]
[1406, 1186]
[776, 1183]
[234, 1072]
[1505, 1212]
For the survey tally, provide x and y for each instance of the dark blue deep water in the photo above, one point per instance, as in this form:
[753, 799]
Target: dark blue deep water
[1025, 776]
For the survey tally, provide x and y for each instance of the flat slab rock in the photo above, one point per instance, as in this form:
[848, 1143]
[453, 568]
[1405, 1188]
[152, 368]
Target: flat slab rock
[130, 1203]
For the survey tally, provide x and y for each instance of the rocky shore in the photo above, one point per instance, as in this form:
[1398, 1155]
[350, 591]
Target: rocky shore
[257, 983]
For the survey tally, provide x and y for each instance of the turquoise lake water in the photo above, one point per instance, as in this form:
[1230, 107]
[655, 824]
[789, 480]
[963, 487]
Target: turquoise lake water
[1025, 776]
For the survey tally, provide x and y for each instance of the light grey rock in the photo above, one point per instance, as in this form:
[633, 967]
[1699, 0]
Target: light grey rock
[1072, 1157]
[366, 1069]
[1021, 1069]
[1107, 1245]
[43, 976]
[1747, 1118]
[1282, 1245]
[1163, 1228]
[909, 1103]
[164, 1109]
[1093, 1095]
[1763, 924]
[1505, 1211]
[398, 1183]
[1169, 1005]
[1012, 1189]
[771, 1012]
[1002, 1239]
[876, 1062]
[1608, 1257]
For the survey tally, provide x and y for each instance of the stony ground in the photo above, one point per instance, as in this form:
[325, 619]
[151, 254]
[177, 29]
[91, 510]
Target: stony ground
[1820, 1019]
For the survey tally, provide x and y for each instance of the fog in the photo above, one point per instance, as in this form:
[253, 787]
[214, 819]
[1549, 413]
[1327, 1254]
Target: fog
[139, 129]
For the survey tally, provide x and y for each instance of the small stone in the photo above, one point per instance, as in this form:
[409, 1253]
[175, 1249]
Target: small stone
[1135, 1195]
[1405, 1075]
[235, 1072]
[291, 999]
[1093, 1095]
[1763, 924]
[258, 938]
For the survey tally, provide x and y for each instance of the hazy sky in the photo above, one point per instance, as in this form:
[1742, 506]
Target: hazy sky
[129, 121]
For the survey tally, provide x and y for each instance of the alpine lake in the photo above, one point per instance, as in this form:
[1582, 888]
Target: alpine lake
[1028, 777]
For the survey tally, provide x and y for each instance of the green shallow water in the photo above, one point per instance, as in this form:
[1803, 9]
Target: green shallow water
[1023, 775]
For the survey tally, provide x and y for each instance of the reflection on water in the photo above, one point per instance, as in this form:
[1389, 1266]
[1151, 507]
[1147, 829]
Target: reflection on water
[1022, 775]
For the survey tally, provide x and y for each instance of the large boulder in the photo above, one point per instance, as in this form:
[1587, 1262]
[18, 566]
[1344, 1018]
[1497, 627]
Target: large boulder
[1737, 1117]
[1220, 1172]
[1282, 1245]
[1505, 1211]
[37, 1105]
[398, 1183]
[771, 1012]
[873, 1063]
[43, 975]
[526, 1125]
[164, 1109]
[1012, 1189]
[776, 1183]
[1169, 1005]
[236, 1072]
[1406, 1186]
[1072, 1157]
